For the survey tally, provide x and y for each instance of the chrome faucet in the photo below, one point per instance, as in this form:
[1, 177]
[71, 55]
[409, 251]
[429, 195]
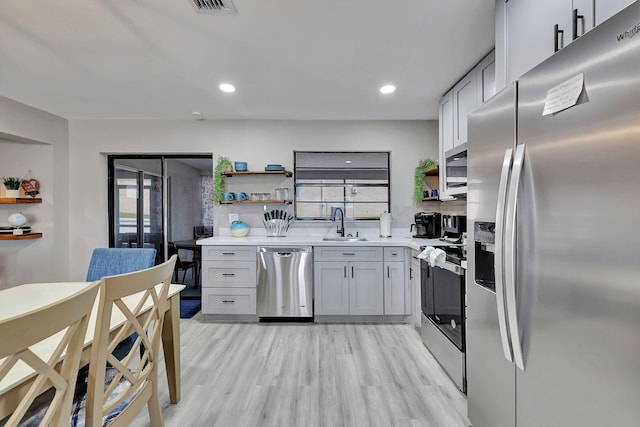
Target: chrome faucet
[340, 229]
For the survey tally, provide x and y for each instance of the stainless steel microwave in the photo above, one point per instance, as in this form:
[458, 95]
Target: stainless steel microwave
[455, 173]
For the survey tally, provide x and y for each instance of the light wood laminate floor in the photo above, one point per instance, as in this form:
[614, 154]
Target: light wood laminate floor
[308, 375]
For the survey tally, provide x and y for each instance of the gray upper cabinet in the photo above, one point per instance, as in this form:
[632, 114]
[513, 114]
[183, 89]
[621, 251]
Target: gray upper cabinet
[605, 9]
[464, 101]
[472, 90]
[587, 14]
[486, 79]
[536, 29]
[532, 32]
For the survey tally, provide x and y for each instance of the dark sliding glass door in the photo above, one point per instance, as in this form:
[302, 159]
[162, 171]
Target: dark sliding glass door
[143, 209]
[137, 214]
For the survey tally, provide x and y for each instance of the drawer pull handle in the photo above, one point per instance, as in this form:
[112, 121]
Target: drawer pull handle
[228, 301]
[228, 253]
[348, 254]
[228, 274]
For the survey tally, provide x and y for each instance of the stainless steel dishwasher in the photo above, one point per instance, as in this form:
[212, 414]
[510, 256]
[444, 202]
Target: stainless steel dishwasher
[285, 282]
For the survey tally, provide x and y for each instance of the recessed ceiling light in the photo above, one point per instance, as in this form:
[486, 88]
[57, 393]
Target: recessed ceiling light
[226, 87]
[387, 89]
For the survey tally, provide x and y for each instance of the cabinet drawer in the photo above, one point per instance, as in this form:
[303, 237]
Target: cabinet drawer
[345, 254]
[394, 254]
[229, 253]
[239, 274]
[228, 301]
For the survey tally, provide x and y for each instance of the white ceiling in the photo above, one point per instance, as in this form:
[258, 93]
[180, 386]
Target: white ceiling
[289, 59]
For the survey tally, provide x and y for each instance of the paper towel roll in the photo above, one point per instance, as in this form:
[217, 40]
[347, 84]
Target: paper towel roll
[385, 224]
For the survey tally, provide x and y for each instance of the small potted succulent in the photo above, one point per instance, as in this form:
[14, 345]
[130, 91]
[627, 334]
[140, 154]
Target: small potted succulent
[12, 186]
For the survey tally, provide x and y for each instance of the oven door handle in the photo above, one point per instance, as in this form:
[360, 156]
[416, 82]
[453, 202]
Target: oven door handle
[499, 254]
[454, 268]
[510, 257]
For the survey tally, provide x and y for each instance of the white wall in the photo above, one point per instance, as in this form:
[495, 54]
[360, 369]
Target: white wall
[254, 141]
[31, 139]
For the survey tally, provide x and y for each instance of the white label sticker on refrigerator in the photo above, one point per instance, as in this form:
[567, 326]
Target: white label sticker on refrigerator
[564, 95]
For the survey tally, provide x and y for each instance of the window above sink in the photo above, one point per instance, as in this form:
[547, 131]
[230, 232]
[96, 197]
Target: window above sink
[357, 182]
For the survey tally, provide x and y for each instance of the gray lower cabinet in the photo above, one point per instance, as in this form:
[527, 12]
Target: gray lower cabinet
[394, 288]
[366, 288]
[397, 290]
[229, 280]
[353, 287]
[416, 291]
[331, 288]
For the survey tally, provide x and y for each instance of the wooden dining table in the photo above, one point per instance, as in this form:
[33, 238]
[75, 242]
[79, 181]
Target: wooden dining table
[24, 298]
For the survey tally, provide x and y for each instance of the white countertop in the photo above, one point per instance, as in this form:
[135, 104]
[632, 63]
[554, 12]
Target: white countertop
[315, 238]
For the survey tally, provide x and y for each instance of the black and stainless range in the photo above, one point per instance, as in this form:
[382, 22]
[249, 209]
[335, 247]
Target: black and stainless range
[443, 303]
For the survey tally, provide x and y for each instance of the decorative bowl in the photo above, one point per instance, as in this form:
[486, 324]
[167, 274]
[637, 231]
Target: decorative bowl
[17, 219]
[240, 166]
[239, 229]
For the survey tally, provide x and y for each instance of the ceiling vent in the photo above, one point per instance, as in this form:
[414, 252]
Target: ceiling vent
[214, 6]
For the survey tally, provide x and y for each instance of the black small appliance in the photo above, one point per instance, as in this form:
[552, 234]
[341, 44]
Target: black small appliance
[453, 227]
[427, 225]
[454, 232]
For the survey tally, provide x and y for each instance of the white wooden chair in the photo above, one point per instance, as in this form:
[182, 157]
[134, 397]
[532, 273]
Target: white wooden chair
[140, 299]
[64, 323]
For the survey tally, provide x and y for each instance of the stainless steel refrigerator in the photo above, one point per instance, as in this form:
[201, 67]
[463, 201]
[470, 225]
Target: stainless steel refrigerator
[553, 316]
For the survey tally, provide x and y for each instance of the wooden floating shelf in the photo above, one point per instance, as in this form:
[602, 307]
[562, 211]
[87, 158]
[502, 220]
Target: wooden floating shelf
[25, 236]
[15, 200]
[249, 202]
[430, 199]
[285, 172]
[432, 172]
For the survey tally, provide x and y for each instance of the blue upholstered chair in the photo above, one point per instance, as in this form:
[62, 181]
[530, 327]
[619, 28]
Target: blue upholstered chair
[111, 261]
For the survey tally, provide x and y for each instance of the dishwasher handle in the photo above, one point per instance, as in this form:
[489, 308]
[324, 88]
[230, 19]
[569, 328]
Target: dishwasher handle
[283, 251]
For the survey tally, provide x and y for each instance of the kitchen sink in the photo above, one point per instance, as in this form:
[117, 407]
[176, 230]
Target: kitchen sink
[344, 239]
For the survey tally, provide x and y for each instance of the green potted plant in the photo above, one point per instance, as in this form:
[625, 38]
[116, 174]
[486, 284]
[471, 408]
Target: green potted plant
[418, 178]
[12, 186]
[223, 165]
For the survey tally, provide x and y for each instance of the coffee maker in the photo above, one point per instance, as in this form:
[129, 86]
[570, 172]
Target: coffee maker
[427, 225]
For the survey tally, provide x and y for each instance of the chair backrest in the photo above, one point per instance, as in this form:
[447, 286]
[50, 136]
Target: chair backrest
[64, 324]
[111, 261]
[139, 300]
[202, 231]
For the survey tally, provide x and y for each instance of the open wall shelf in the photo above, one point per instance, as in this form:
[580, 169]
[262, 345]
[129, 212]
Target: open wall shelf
[25, 236]
[285, 173]
[254, 202]
[17, 200]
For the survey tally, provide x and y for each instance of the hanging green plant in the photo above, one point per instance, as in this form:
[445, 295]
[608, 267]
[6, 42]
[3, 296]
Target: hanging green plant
[223, 165]
[418, 178]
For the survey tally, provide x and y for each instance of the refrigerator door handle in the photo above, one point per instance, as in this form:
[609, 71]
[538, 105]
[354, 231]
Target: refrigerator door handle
[510, 256]
[499, 254]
